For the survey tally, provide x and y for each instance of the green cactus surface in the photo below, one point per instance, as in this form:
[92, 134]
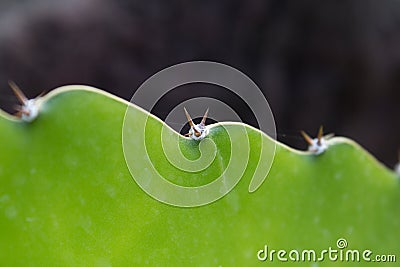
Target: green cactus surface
[67, 196]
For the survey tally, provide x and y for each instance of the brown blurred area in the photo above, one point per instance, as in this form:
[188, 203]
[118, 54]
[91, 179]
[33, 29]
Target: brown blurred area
[335, 63]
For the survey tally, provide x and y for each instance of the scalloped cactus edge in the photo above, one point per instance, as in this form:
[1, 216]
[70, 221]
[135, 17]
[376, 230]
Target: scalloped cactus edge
[67, 197]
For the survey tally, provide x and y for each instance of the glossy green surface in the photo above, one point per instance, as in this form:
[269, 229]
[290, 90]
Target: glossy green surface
[67, 197]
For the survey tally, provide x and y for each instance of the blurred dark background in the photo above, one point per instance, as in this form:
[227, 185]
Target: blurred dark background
[335, 63]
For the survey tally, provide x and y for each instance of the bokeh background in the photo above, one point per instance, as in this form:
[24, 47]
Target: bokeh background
[335, 63]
